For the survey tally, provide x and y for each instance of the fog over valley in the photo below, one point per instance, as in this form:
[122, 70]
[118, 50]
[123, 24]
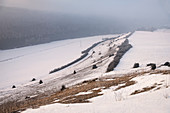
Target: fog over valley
[30, 22]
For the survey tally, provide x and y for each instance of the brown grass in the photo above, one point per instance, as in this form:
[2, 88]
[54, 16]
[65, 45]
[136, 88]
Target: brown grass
[80, 98]
[69, 94]
[164, 72]
[145, 89]
[66, 96]
[128, 83]
[158, 88]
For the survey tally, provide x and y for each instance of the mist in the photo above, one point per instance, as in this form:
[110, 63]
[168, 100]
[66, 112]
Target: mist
[130, 9]
[40, 21]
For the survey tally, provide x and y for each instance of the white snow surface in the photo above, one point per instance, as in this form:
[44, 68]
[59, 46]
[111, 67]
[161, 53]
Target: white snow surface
[153, 101]
[53, 82]
[148, 47]
[20, 65]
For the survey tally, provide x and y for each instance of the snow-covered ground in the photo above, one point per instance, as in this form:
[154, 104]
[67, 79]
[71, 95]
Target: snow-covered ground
[22, 64]
[148, 47]
[53, 82]
[153, 101]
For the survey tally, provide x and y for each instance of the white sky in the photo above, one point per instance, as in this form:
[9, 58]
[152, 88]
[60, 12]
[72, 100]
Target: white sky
[152, 10]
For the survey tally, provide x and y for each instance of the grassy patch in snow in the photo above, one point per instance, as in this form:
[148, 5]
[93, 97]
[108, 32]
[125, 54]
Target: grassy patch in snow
[73, 94]
[145, 89]
[128, 83]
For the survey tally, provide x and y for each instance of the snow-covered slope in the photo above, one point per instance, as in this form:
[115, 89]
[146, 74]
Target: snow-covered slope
[153, 101]
[150, 92]
[148, 47]
[21, 65]
[101, 56]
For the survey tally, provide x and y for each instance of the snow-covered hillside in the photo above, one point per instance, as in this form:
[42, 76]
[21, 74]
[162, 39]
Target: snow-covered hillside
[148, 47]
[90, 67]
[121, 101]
[145, 91]
[22, 64]
[87, 87]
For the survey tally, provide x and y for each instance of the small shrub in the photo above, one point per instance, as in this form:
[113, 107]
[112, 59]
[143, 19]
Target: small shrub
[40, 82]
[94, 67]
[63, 87]
[74, 72]
[153, 66]
[33, 79]
[136, 65]
[13, 86]
[166, 64]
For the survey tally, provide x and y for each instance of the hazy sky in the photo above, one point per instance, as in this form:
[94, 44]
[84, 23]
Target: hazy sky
[159, 10]
[61, 19]
[94, 6]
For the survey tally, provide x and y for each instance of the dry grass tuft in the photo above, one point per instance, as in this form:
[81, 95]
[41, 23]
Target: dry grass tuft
[80, 98]
[145, 89]
[129, 83]
[164, 72]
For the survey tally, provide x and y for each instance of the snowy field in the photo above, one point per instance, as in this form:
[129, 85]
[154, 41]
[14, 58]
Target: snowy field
[121, 101]
[20, 65]
[101, 56]
[148, 47]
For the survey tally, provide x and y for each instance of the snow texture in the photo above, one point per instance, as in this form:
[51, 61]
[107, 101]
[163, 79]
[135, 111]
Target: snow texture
[154, 101]
[53, 82]
[22, 64]
[148, 47]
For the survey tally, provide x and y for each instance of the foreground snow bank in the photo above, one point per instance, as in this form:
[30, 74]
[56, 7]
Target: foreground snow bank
[155, 100]
[148, 47]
